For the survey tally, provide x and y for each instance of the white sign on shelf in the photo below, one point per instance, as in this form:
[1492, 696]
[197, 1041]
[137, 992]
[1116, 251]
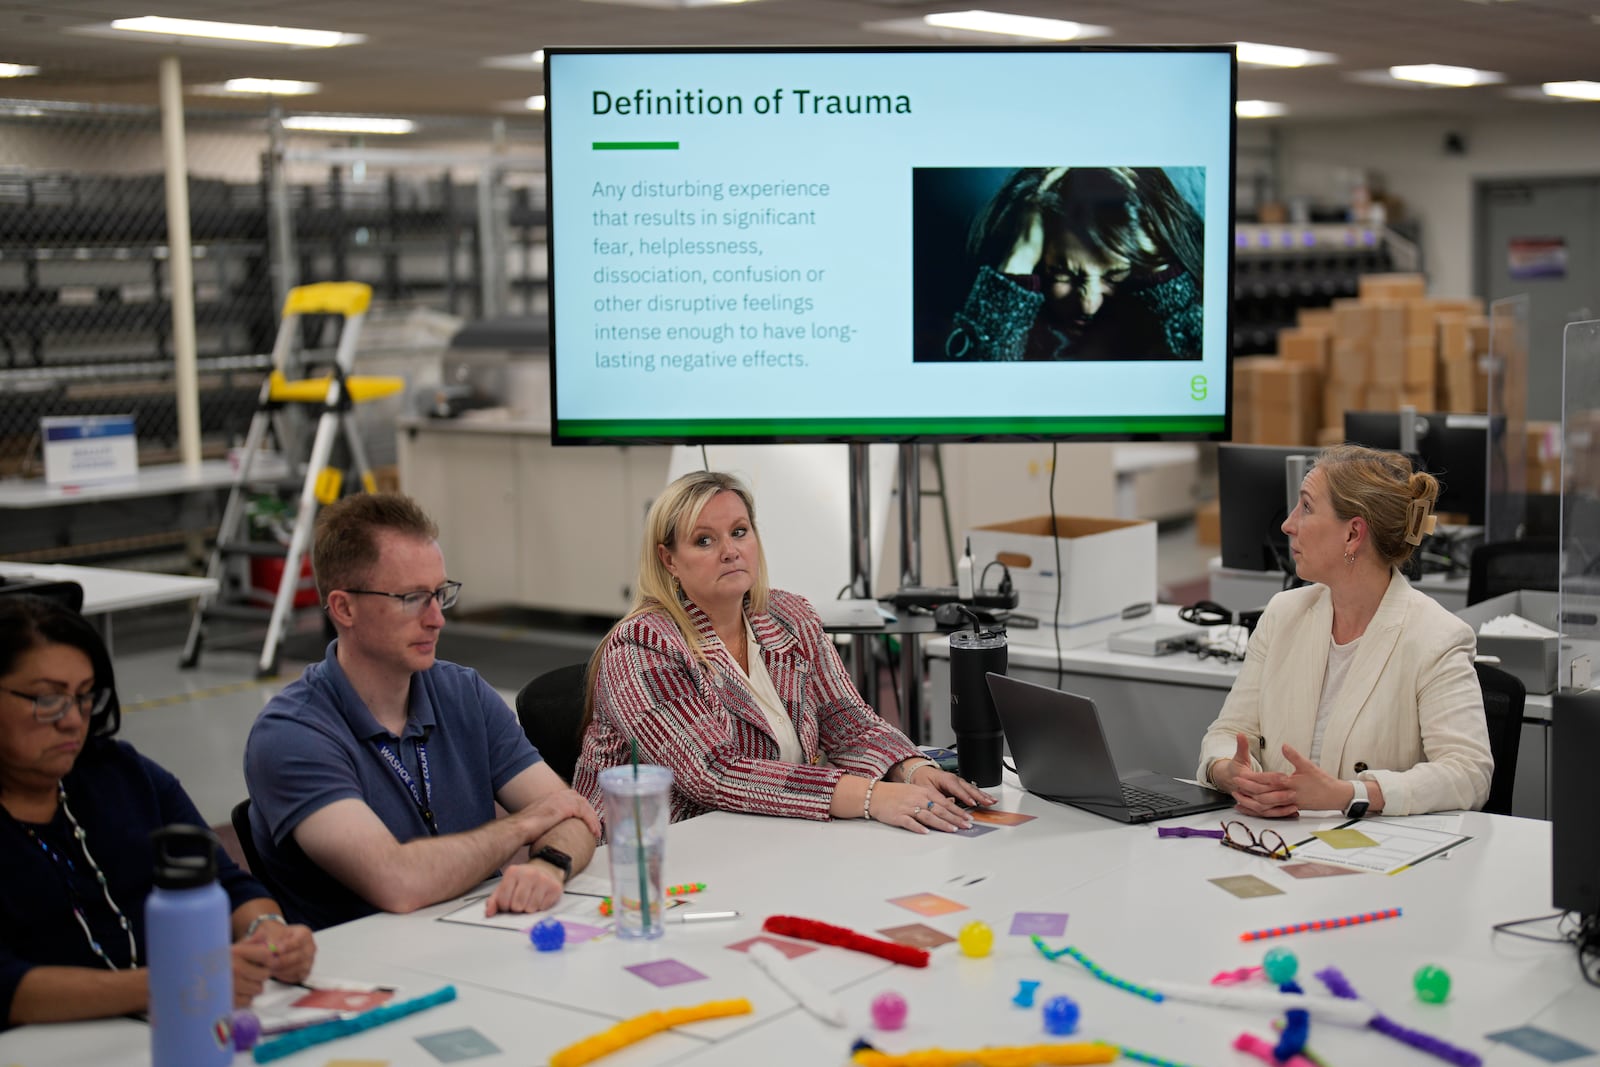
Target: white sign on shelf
[89, 448]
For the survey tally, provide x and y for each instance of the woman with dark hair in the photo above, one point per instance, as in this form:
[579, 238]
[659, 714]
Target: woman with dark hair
[1084, 263]
[76, 813]
[1357, 692]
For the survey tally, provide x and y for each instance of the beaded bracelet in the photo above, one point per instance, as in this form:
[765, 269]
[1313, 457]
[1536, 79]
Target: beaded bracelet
[913, 769]
[866, 805]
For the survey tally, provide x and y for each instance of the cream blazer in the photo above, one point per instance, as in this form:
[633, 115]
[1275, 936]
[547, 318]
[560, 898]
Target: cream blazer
[1410, 716]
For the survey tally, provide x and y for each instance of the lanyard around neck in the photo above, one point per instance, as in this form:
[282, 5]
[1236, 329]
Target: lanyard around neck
[418, 795]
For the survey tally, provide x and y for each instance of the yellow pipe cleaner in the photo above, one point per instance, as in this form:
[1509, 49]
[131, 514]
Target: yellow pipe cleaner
[1000, 1056]
[636, 1029]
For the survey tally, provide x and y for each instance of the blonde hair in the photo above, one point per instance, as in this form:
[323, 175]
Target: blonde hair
[1379, 488]
[672, 515]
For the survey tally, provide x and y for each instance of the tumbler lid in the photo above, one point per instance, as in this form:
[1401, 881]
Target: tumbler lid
[186, 856]
[980, 642]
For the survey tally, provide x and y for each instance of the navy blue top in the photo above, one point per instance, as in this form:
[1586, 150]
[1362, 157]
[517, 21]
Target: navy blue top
[119, 798]
[316, 743]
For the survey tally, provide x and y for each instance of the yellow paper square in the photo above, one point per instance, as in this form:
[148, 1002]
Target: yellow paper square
[1344, 837]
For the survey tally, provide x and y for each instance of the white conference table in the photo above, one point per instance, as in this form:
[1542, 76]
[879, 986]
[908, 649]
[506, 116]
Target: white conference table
[1140, 906]
[107, 590]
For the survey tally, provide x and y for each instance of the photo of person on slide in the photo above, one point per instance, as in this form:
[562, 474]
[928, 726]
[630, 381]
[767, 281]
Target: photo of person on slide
[1058, 263]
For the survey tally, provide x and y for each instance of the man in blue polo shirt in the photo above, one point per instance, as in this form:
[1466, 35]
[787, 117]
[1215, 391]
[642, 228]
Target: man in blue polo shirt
[373, 777]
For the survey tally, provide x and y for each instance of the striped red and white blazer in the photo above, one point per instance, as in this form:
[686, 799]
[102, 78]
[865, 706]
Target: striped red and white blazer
[700, 718]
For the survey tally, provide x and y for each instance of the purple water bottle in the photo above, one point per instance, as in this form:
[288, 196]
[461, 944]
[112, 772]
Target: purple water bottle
[187, 943]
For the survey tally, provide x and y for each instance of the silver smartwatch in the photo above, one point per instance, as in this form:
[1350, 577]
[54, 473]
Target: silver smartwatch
[1358, 803]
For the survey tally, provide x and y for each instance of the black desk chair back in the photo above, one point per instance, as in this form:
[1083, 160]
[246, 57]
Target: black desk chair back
[1503, 698]
[240, 818]
[550, 709]
[1506, 566]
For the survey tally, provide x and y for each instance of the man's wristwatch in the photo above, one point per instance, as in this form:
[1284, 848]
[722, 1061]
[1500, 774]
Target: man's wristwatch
[556, 858]
[1358, 803]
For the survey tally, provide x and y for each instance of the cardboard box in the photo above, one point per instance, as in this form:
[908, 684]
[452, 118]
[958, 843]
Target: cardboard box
[1388, 361]
[1208, 523]
[1338, 399]
[1304, 346]
[1315, 319]
[1106, 565]
[1422, 357]
[1534, 660]
[1329, 436]
[1455, 345]
[1419, 396]
[1286, 402]
[1390, 321]
[1350, 360]
[1392, 286]
[1383, 397]
[1352, 320]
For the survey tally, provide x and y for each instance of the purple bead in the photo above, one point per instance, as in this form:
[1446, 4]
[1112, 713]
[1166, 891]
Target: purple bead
[1060, 1015]
[246, 1030]
[888, 1011]
[548, 935]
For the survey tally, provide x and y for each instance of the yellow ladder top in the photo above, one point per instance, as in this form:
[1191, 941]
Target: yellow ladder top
[330, 298]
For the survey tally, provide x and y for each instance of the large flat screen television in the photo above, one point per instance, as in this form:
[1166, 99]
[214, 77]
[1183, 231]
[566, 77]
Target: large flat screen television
[890, 244]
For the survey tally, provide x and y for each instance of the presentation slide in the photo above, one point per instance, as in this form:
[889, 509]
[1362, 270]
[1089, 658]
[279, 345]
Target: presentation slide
[919, 243]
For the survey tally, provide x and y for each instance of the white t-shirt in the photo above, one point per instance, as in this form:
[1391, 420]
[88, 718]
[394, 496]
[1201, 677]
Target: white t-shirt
[767, 700]
[1339, 658]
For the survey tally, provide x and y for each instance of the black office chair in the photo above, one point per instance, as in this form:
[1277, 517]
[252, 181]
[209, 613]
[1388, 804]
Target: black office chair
[1503, 699]
[550, 709]
[1506, 566]
[240, 817]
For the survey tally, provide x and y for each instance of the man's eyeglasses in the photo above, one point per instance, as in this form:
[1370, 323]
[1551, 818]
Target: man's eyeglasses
[52, 707]
[415, 603]
[1268, 843]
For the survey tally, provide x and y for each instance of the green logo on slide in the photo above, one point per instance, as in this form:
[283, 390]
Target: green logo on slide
[1197, 387]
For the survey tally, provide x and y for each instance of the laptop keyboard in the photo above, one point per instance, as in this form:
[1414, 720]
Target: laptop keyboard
[1148, 799]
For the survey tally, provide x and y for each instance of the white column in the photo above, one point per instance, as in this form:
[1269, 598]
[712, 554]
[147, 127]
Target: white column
[180, 262]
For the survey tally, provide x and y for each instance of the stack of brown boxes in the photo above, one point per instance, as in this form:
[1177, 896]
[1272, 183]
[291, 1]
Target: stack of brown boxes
[1388, 347]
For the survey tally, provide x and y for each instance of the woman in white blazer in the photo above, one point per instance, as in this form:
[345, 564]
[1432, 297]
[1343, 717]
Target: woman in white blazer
[1357, 692]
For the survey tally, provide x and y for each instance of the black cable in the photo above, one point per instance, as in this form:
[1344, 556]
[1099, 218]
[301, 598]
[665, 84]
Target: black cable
[705, 459]
[1055, 537]
[983, 575]
[1507, 928]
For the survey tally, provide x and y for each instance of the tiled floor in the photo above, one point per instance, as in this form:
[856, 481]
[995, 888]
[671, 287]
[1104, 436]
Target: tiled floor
[194, 722]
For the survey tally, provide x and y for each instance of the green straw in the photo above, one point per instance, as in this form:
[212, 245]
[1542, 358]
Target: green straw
[638, 836]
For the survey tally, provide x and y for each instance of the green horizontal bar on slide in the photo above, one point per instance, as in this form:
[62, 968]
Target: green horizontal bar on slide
[635, 146]
[893, 427]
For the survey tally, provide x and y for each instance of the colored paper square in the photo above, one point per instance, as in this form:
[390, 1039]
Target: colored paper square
[582, 931]
[917, 935]
[1344, 837]
[1246, 885]
[344, 999]
[451, 1046]
[1552, 1048]
[928, 904]
[1043, 923]
[975, 830]
[791, 949]
[665, 972]
[1310, 869]
[1000, 818]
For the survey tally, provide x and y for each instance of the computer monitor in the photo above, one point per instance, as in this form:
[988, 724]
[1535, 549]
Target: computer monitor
[1253, 486]
[1454, 448]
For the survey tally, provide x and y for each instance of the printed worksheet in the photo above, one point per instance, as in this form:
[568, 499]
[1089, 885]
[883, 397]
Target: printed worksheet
[1383, 846]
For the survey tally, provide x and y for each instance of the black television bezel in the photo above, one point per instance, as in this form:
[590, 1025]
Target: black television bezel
[580, 440]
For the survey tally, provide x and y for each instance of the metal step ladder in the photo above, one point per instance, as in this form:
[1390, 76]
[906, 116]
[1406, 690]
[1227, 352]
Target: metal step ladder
[335, 395]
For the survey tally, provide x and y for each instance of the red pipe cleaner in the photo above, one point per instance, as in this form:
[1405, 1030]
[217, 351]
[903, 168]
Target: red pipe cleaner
[812, 930]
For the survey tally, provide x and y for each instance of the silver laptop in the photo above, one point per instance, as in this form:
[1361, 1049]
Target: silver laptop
[1061, 754]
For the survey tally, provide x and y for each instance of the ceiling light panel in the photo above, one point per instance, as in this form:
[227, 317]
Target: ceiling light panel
[348, 124]
[16, 70]
[1252, 54]
[1577, 90]
[199, 31]
[1446, 76]
[1259, 109]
